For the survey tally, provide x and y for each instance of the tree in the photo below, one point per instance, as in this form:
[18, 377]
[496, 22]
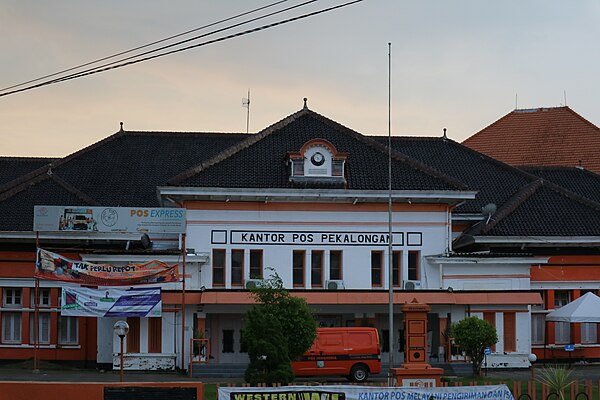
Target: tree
[473, 335]
[279, 328]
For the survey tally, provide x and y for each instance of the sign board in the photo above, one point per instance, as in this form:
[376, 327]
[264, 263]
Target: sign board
[110, 302]
[108, 219]
[54, 267]
[314, 238]
[569, 347]
[347, 392]
[487, 351]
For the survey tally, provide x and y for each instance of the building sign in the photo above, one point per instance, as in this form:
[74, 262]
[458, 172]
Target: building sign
[347, 392]
[52, 266]
[110, 302]
[109, 219]
[316, 238]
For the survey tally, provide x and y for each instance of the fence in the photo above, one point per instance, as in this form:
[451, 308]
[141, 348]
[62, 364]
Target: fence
[521, 390]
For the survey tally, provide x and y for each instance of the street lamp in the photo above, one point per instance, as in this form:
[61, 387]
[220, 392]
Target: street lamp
[532, 358]
[121, 329]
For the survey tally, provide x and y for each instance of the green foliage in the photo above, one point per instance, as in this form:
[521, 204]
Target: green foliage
[557, 378]
[473, 335]
[279, 328]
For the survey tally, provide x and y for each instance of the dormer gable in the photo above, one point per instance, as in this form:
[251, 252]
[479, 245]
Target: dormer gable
[317, 160]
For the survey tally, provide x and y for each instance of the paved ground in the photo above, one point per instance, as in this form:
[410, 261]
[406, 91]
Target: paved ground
[21, 374]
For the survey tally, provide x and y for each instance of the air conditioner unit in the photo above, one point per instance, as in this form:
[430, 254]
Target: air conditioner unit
[254, 283]
[335, 284]
[412, 285]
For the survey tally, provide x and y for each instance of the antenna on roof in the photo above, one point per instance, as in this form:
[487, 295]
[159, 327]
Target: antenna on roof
[565, 94]
[445, 137]
[246, 104]
[516, 101]
[121, 123]
[305, 105]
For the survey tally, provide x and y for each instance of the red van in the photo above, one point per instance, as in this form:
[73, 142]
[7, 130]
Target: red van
[350, 352]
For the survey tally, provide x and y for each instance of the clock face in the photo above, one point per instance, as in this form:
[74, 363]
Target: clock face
[317, 159]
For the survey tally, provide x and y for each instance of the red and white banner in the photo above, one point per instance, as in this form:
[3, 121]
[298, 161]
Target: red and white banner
[52, 266]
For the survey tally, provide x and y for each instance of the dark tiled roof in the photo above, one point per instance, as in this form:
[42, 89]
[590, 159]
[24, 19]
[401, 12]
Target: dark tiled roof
[495, 181]
[121, 170]
[577, 180]
[542, 136]
[260, 161]
[16, 205]
[13, 167]
[543, 209]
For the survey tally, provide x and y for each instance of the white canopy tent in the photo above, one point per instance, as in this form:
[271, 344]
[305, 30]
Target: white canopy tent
[584, 309]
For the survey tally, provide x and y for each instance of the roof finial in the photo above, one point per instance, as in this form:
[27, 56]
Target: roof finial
[305, 106]
[121, 123]
[445, 137]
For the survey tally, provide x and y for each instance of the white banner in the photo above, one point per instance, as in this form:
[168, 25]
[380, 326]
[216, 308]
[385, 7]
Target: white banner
[344, 392]
[108, 219]
[110, 302]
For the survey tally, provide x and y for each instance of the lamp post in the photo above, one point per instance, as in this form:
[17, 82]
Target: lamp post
[121, 329]
[532, 358]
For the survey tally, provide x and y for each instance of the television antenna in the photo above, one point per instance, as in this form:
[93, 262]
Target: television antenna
[246, 104]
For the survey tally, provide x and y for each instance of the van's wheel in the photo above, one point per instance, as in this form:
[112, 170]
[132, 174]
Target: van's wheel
[359, 373]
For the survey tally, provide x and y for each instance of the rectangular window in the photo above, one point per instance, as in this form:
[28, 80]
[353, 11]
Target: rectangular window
[385, 340]
[376, 265]
[538, 328]
[68, 330]
[228, 341]
[12, 297]
[256, 262]
[397, 268]
[44, 297]
[413, 265]
[316, 269]
[218, 267]
[298, 267]
[510, 329]
[43, 330]
[133, 337]
[562, 332]
[490, 318]
[154, 335]
[11, 327]
[589, 333]
[237, 267]
[561, 298]
[335, 264]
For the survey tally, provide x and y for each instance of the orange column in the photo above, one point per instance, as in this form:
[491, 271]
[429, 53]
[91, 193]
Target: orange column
[575, 327]
[550, 339]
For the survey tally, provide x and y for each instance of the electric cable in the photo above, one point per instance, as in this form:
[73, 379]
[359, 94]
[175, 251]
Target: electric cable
[146, 45]
[243, 33]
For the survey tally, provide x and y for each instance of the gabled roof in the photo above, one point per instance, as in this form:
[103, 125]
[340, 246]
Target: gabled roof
[539, 209]
[541, 136]
[121, 170]
[577, 180]
[495, 181]
[260, 161]
[13, 167]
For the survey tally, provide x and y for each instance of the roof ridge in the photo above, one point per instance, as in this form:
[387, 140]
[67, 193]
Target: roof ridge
[11, 191]
[69, 187]
[488, 126]
[399, 156]
[512, 203]
[184, 133]
[25, 178]
[25, 158]
[236, 148]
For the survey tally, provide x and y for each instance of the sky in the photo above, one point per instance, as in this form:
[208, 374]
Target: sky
[458, 64]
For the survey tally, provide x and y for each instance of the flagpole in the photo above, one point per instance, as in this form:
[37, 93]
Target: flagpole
[391, 237]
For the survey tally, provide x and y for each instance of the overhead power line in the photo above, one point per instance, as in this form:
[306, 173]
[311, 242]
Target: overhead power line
[114, 65]
[146, 45]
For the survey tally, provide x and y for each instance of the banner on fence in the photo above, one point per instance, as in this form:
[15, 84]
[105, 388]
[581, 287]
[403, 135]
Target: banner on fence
[110, 302]
[52, 266]
[347, 392]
